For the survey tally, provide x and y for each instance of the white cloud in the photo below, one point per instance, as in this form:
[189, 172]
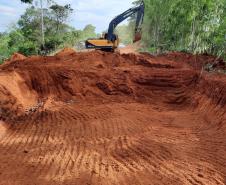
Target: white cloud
[6, 10]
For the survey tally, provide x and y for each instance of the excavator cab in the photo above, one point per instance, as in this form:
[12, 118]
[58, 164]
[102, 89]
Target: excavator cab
[110, 41]
[103, 43]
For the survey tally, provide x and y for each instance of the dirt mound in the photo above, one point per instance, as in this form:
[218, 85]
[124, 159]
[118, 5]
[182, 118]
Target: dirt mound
[131, 48]
[15, 96]
[65, 52]
[198, 61]
[17, 57]
[110, 118]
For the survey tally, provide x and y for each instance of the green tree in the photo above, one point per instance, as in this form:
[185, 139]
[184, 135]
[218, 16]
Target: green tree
[194, 26]
[89, 31]
[30, 25]
[126, 33]
[60, 14]
[54, 30]
[4, 47]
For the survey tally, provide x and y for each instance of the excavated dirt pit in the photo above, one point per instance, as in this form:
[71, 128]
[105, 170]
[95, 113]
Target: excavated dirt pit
[96, 118]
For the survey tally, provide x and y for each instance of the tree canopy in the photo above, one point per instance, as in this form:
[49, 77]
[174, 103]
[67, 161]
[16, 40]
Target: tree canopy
[26, 36]
[60, 13]
[194, 26]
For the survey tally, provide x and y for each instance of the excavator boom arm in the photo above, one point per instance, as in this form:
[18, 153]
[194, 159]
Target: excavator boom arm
[110, 41]
[139, 20]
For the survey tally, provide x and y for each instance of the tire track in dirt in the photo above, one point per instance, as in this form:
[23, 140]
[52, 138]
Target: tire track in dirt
[119, 141]
[149, 123]
[16, 133]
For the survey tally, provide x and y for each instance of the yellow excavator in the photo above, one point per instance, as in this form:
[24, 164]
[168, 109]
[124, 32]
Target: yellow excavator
[110, 41]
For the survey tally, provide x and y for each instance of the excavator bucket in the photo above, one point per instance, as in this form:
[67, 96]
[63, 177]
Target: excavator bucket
[137, 37]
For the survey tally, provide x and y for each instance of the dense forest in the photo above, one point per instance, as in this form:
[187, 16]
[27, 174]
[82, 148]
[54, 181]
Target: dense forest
[195, 26]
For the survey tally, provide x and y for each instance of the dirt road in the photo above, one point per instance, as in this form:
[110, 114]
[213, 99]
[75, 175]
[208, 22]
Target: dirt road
[100, 118]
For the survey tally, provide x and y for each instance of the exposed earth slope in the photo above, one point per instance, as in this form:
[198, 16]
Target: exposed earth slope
[108, 118]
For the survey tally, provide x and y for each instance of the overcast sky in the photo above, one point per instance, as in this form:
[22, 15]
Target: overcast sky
[96, 12]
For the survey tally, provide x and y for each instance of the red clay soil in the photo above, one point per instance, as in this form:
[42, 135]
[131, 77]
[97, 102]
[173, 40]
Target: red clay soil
[65, 52]
[108, 118]
[16, 57]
